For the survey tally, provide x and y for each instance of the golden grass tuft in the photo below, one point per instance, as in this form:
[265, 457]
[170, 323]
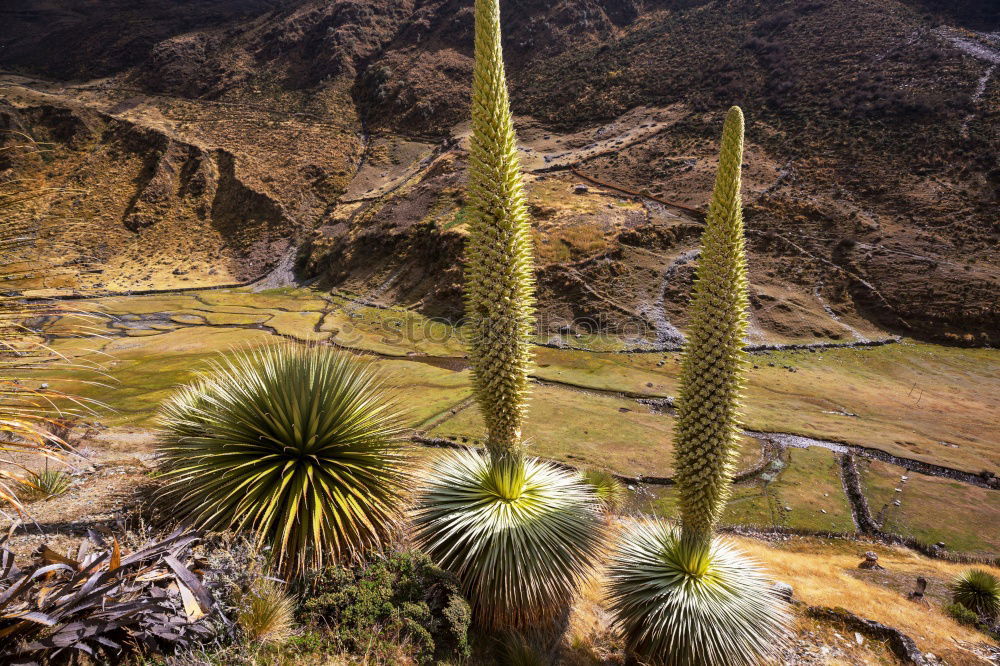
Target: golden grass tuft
[820, 573]
[266, 614]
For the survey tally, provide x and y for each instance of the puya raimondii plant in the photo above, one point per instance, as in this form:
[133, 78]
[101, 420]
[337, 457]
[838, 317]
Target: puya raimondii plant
[519, 533]
[684, 597]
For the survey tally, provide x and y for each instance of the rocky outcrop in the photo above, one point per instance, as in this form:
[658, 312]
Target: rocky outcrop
[157, 191]
[904, 647]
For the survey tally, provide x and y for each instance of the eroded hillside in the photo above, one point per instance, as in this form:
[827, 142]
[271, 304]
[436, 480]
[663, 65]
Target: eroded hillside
[219, 146]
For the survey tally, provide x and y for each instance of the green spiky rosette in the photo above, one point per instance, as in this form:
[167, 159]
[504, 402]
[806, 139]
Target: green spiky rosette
[679, 604]
[297, 444]
[520, 534]
[979, 591]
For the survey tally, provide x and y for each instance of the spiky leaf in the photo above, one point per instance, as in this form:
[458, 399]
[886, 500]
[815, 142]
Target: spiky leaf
[681, 603]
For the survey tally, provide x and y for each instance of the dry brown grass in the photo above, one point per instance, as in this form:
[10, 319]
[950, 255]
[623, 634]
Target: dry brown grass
[819, 574]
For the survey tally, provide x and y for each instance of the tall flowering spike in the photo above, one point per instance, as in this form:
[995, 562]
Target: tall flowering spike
[500, 289]
[713, 366]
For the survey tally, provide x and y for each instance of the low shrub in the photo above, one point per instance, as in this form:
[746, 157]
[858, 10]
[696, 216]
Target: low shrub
[962, 615]
[397, 598]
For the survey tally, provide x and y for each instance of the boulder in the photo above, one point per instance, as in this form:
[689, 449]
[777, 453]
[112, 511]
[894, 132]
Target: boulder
[871, 562]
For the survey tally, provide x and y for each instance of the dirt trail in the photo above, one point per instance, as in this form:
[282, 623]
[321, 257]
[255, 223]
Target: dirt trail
[986, 49]
[987, 52]
[687, 212]
[977, 94]
[817, 292]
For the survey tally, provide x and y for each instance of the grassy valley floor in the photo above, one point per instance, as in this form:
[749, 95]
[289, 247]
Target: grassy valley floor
[611, 410]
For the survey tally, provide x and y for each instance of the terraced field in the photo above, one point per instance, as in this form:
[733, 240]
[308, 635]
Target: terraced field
[934, 409]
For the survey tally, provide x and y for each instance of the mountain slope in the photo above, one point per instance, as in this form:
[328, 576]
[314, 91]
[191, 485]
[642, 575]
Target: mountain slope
[872, 185]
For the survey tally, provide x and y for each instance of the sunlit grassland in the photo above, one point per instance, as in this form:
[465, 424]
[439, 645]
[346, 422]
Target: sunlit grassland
[824, 572]
[140, 372]
[920, 401]
[927, 402]
[932, 509]
[793, 492]
[915, 400]
[585, 429]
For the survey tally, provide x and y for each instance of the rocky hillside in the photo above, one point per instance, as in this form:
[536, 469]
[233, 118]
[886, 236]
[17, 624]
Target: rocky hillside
[223, 141]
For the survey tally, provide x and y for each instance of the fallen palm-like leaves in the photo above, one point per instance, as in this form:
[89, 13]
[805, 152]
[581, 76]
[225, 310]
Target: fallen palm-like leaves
[102, 602]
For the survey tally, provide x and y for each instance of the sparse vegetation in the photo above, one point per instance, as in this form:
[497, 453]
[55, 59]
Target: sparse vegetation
[292, 167]
[28, 411]
[298, 444]
[45, 483]
[516, 650]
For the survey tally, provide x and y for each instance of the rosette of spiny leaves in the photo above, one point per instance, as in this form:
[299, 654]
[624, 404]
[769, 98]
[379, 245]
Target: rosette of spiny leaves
[684, 597]
[520, 534]
[299, 445]
[979, 591]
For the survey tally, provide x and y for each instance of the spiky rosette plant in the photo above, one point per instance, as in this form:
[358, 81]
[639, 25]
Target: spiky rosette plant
[979, 591]
[520, 537]
[297, 444]
[693, 605]
[683, 597]
[519, 534]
